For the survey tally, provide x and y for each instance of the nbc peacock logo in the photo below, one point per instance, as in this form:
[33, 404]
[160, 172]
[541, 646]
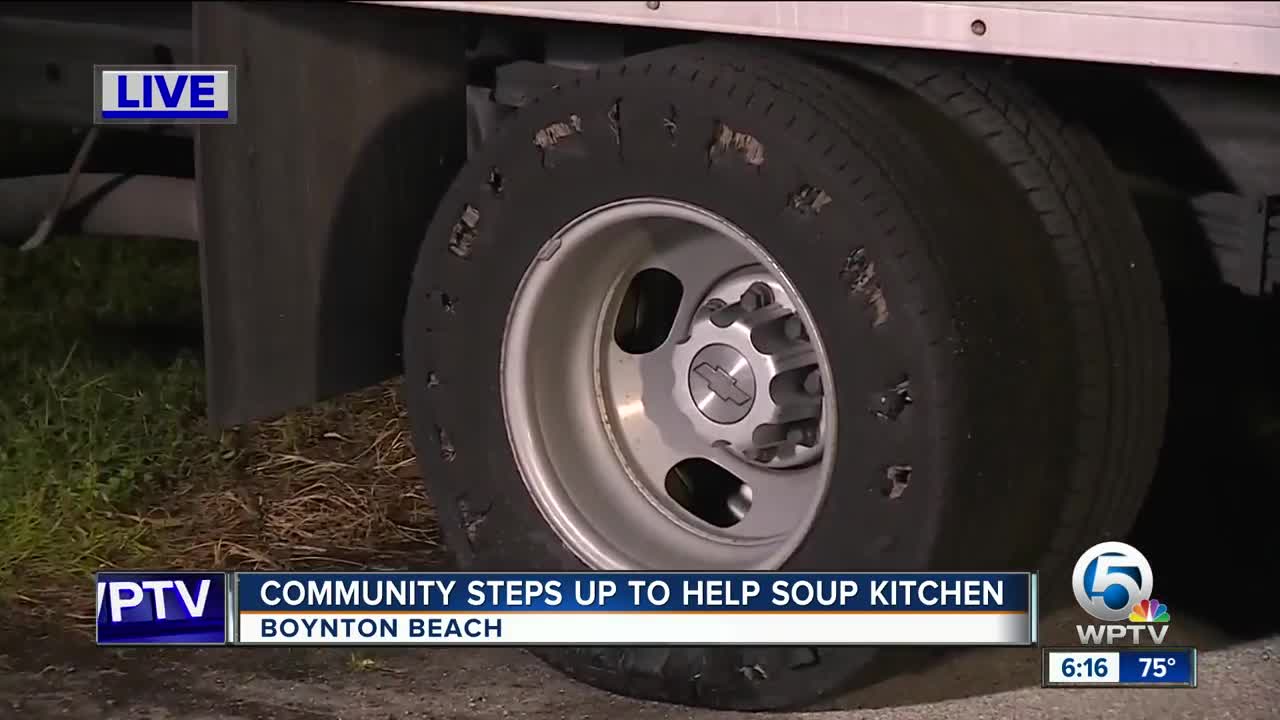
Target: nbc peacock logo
[1149, 611]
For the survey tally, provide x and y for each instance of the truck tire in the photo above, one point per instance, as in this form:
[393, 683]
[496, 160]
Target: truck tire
[574, 310]
[1116, 305]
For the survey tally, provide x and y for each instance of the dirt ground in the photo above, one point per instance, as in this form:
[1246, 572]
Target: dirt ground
[63, 677]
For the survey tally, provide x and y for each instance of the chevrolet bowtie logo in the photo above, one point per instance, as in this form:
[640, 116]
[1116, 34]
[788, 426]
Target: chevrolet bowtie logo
[722, 383]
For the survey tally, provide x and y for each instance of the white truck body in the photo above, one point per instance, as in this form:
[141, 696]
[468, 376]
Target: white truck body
[1241, 37]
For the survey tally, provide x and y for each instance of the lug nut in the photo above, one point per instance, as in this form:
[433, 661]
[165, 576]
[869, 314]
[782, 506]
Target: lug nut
[813, 383]
[756, 297]
[806, 434]
[722, 315]
[794, 329]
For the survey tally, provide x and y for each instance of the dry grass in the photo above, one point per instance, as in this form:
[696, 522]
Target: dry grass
[328, 487]
[107, 461]
[332, 487]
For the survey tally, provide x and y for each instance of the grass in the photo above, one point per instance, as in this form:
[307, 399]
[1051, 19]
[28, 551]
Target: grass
[91, 419]
[106, 460]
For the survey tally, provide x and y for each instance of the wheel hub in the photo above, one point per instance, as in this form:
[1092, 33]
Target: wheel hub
[753, 380]
[721, 383]
[680, 421]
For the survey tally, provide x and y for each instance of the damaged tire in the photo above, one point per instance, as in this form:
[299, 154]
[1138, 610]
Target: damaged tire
[705, 310]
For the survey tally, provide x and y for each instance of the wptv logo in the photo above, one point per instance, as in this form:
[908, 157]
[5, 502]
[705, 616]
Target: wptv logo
[1113, 582]
[162, 607]
[159, 95]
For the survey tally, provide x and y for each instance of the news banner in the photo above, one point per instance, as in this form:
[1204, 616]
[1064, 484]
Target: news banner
[1112, 582]
[523, 609]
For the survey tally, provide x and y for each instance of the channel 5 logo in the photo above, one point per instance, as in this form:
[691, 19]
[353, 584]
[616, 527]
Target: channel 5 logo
[1113, 583]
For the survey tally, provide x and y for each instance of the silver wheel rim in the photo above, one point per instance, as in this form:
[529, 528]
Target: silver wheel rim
[741, 381]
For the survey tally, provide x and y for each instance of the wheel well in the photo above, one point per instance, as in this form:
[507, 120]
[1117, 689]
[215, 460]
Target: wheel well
[1200, 152]
[1183, 128]
[1192, 130]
